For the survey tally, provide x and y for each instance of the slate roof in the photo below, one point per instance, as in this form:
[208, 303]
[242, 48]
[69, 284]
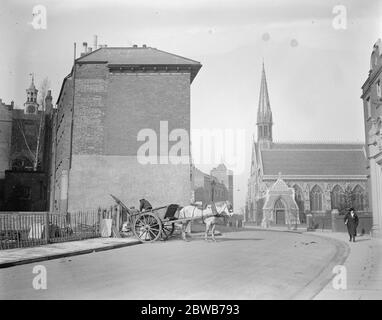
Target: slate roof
[303, 159]
[139, 56]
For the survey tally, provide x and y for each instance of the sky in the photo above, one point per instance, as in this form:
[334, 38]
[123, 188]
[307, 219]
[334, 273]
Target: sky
[314, 69]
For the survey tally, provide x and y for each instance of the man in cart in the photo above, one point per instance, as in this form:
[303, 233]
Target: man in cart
[144, 205]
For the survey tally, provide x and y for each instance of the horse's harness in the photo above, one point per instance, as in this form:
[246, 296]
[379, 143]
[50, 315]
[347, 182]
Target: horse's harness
[217, 215]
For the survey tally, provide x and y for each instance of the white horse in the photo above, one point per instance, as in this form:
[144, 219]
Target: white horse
[209, 216]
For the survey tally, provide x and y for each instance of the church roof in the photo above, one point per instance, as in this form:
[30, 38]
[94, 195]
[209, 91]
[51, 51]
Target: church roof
[303, 159]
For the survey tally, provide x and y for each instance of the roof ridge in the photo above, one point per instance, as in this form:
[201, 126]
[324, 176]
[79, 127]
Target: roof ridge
[317, 142]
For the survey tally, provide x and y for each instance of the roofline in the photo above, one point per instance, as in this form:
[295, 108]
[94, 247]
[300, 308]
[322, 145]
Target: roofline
[63, 84]
[316, 177]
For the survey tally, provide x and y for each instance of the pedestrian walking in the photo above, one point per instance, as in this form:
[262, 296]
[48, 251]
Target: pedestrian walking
[351, 221]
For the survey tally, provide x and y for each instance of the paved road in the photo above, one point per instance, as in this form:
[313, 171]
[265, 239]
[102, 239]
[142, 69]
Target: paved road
[241, 265]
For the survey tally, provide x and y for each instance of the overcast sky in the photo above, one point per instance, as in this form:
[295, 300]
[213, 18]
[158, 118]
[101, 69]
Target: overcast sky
[314, 71]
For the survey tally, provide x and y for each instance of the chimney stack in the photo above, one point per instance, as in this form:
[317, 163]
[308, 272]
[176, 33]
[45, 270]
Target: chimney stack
[85, 47]
[95, 42]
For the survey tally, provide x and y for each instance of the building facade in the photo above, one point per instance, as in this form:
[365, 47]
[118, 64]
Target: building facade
[120, 113]
[25, 153]
[216, 186]
[289, 180]
[372, 106]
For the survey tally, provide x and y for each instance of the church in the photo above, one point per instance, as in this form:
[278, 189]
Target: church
[290, 180]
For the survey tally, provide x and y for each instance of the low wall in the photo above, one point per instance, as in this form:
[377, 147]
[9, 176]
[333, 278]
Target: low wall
[364, 225]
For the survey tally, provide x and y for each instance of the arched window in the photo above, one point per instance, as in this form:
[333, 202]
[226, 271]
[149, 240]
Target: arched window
[358, 198]
[316, 199]
[299, 197]
[337, 198]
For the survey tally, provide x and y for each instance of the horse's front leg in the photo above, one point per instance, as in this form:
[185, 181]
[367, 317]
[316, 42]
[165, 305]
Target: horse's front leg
[184, 229]
[206, 233]
[213, 233]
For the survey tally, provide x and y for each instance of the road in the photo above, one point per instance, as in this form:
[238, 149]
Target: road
[241, 265]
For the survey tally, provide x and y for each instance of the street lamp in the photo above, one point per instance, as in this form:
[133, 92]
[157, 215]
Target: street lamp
[213, 183]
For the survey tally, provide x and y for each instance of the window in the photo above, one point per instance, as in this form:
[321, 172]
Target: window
[358, 198]
[379, 92]
[368, 106]
[338, 198]
[316, 199]
[260, 131]
[265, 131]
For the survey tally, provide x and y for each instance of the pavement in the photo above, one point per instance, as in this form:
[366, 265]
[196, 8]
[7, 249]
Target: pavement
[362, 260]
[247, 264]
[14, 257]
[363, 263]
[363, 270]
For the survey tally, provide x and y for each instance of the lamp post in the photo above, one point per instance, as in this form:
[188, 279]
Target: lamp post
[213, 183]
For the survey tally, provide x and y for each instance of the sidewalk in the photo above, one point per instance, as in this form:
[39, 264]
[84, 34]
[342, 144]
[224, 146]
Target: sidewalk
[363, 265]
[13, 257]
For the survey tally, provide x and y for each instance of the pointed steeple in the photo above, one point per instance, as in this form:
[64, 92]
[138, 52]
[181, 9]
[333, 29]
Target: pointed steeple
[264, 113]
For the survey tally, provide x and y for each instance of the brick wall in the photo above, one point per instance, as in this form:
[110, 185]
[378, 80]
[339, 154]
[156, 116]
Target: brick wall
[110, 110]
[5, 137]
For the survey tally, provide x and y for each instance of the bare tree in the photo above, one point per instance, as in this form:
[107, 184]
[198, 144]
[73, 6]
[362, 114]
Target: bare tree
[34, 153]
[43, 93]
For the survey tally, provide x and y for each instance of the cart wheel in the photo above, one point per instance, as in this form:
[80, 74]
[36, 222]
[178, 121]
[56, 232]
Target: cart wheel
[167, 230]
[147, 227]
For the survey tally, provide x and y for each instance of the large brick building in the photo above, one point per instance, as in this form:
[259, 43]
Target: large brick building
[113, 101]
[372, 106]
[289, 180]
[216, 186]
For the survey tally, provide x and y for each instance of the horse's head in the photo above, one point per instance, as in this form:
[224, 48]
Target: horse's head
[225, 208]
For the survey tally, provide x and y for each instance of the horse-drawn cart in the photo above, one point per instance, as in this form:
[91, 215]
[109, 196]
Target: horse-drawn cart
[159, 223]
[154, 224]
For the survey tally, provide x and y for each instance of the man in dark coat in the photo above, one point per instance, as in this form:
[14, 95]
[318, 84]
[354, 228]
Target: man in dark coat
[351, 221]
[144, 205]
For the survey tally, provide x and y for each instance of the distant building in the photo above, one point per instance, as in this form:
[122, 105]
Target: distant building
[289, 180]
[25, 157]
[112, 100]
[372, 106]
[217, 186]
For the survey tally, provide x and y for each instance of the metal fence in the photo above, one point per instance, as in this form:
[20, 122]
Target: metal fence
[27, 229]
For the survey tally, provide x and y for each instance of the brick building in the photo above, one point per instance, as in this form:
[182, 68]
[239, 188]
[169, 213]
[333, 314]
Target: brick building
[113, 101]
[216, 186]
[291, 178]
[372, 102]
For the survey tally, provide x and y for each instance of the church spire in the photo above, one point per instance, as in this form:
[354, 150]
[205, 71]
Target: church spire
[264, 113]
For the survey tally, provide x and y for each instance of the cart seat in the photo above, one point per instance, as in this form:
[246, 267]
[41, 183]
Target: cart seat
[171, 210]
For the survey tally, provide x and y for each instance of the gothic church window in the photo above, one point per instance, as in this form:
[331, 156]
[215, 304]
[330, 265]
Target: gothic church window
[379, 91]
[337, 198]
[316, 198]
[358, 198]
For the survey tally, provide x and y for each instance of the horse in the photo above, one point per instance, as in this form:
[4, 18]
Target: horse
[209, 216]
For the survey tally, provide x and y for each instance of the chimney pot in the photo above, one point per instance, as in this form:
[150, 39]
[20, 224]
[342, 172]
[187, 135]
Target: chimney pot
[144, 46]
[95, 42]
[90, 49]
[135, 46]
[85, 47]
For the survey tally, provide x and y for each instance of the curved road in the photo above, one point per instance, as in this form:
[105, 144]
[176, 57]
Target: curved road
[249, 264]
